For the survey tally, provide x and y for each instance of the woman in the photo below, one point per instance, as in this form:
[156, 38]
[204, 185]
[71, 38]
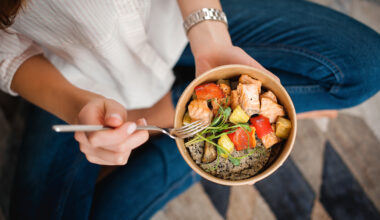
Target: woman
[109, 63]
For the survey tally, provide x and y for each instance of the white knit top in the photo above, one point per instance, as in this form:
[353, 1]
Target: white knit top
[122, 49]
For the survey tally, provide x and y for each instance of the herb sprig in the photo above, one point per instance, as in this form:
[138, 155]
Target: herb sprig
[217, 128]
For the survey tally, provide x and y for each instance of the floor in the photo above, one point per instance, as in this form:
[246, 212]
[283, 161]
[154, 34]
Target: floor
[334, 167]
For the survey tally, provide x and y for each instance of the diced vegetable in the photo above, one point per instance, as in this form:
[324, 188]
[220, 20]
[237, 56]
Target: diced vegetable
[225, 142]
[209, 154]
[223, 81]
[283, 127]
[239, 116]
[186, 119]
[269, 140]
[262, 125]
[234, 99]
[253, 137]
[242, 138]
[208, 91]
[194, 96]
[226, 89]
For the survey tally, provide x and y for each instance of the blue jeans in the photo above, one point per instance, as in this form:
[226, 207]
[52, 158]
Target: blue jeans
[325, 60]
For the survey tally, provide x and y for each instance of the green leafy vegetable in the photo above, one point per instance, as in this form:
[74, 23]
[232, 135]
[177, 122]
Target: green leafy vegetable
[235, 161]
[217, 128]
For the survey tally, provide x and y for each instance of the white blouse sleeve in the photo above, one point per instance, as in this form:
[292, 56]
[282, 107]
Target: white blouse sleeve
[14, 50]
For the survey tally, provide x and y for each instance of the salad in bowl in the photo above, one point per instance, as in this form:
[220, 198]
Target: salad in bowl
[251, 125]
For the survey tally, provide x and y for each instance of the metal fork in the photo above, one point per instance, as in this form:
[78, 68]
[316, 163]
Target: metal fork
[182, 132]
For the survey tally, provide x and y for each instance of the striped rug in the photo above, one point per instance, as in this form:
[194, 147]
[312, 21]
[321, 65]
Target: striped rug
[333, 173]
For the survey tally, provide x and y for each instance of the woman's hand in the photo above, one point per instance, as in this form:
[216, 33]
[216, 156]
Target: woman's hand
[109, 147]
[211, 46]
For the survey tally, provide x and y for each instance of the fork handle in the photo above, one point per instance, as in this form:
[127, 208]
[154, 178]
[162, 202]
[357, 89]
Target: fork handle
[74, 128]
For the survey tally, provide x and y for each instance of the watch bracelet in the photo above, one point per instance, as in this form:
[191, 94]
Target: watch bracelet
[204, 14]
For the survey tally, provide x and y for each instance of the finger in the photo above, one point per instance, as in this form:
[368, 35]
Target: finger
[134, 140]
[81, 137]
[115, 113]
[112, 136]
[243, 58]
[113, 158]
[96, 160]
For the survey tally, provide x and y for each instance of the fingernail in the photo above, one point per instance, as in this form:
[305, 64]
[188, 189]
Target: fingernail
[131, 128]
[144, 121]
[114, 115]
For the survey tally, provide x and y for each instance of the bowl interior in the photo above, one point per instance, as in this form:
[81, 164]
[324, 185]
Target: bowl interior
[226, 72]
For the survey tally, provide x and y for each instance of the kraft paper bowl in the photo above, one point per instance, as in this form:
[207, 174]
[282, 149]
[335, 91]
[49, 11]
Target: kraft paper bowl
[226, 72]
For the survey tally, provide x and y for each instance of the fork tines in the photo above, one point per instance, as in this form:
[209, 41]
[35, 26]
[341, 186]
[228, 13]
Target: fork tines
[191, 129]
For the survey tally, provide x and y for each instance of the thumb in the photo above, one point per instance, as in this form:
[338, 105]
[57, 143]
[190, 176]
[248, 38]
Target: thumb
[115, 114]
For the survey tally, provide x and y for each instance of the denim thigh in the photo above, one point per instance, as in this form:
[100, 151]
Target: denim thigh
[155, 174]
[53, 178]
[55, 181]
[325, 59]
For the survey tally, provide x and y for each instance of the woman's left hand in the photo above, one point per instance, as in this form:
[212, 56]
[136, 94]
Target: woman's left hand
[212, 47]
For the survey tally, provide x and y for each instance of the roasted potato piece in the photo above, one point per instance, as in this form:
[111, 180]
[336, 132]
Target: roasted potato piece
[186, 119]
[239, 116]
[283, 127]
[227, 144]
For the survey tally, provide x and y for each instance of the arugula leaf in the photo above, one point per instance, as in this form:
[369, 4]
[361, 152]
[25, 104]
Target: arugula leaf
[235, 161]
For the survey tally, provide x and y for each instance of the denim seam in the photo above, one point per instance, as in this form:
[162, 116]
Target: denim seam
[306, 89]
[164, 195]
[336, 71]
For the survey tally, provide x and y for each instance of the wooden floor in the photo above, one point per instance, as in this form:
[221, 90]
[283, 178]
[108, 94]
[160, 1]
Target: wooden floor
[348, 144]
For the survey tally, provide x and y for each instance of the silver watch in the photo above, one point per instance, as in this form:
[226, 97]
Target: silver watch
[203, 15]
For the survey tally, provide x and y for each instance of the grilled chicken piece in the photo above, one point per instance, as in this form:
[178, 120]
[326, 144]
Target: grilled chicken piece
[234, 99]
[271, 109]
[198, 110]
[245, 79]
[269, 140]
[225, 88]
[269, 95]
[225, 102]
[249, 98]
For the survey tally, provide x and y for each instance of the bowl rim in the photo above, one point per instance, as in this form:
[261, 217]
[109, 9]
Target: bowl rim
[262, 174]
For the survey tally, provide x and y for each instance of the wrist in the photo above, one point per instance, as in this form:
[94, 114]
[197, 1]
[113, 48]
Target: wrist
[208, 35]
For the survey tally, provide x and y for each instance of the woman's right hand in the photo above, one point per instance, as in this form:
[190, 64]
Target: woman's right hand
[109, 147]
